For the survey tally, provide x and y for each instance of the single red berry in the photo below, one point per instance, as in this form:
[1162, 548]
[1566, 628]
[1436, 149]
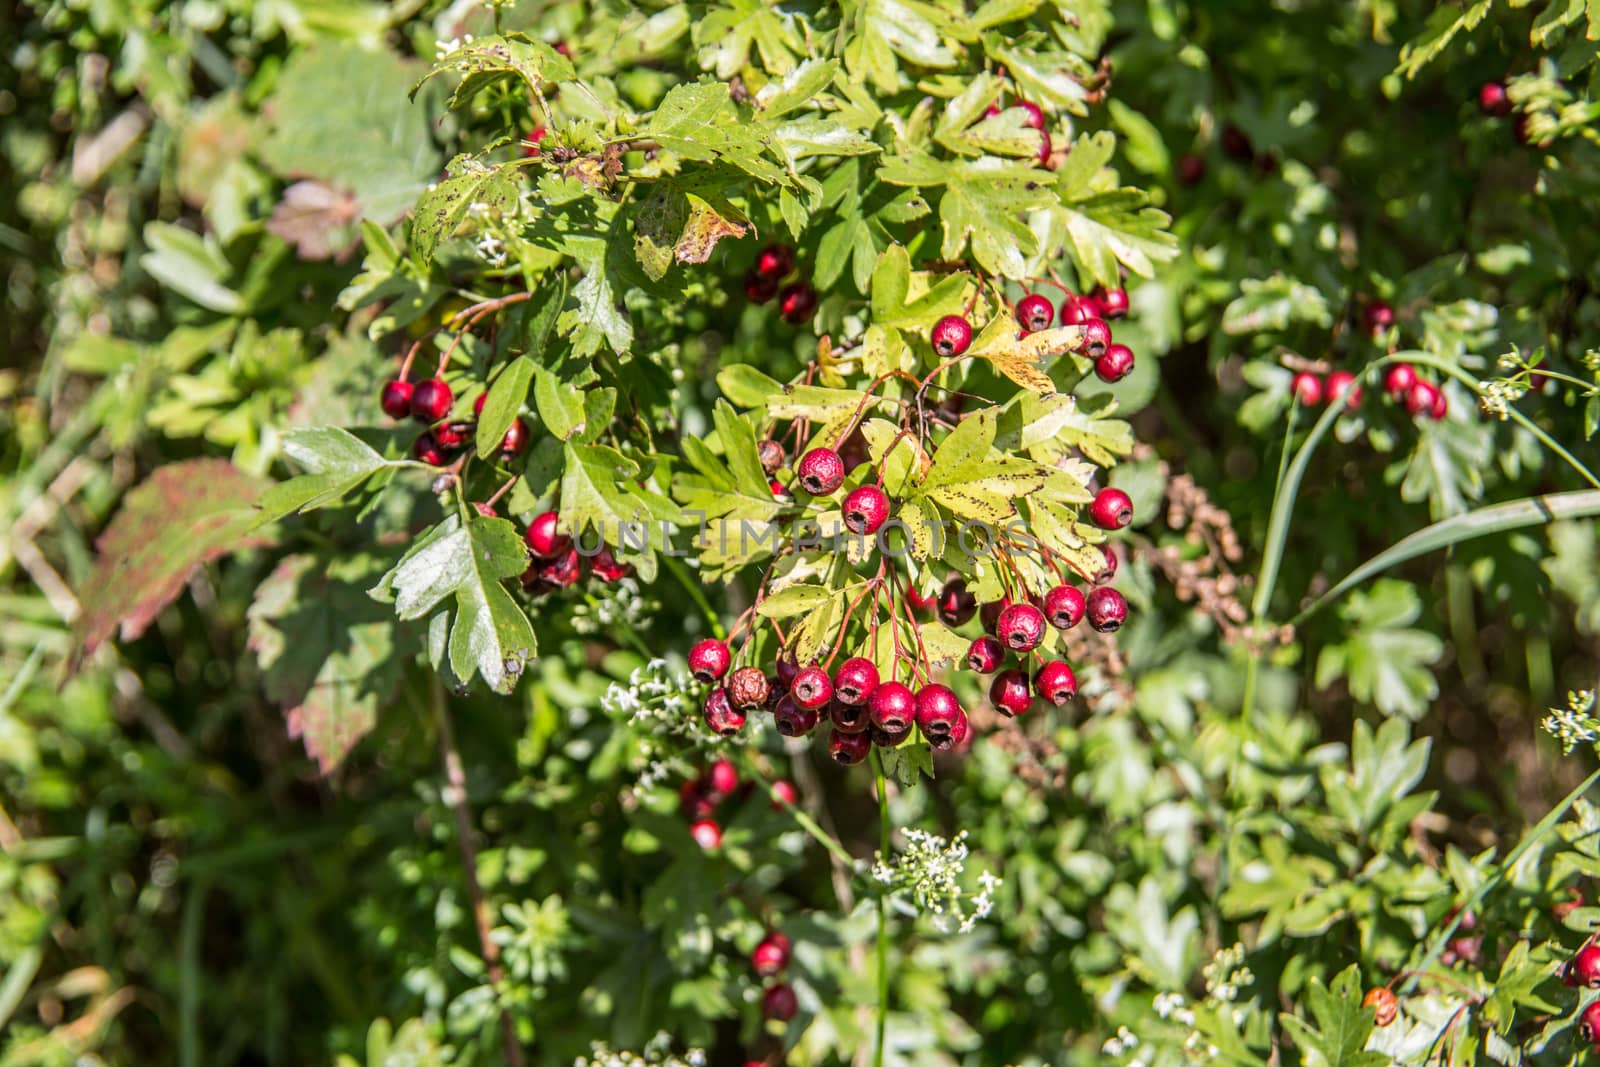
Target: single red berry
[694, 801]
[563, 48]
[1421, 397]
[1307, 388]
[1584, 967]
[431, 400]
[919, 602]
[562, 571]
[989, 614]
[772, 455]
[1589, 1024]
[1064, 607]
[892, 706]
[1378, 316]
[396, 399]
[1113, 302]
[531, 146]
[1236, 144]
[1441, 405]
[854, 681]
[709, 660]
[811, 688]
[1191, 169]
[776, 488]
[1077, 310]
[1399, 379]
[961, 733]
[950, 336]
[786, 669]
[1032, 114]
[1115, 364]
[847, 748]
[452, 435]
[759, 288]
[706, 833]
[1385, 1007]
[722, 778]
[1562, 908]
[1055, 682]
[1035, 312]
[477, 405]
[515, 442]
[848, 718]
[775, 261]
[1107, 610]
[793, 720]
[1494, 100]
[604, 566]
[796, 302]
[956, 605]
[1519, 128]
[783, 794]
[1341, 382]
[426, 450]
[1009, 692]
[771, 955]
[884, 737]
[747, 688]
[1111, 510]
[866, 510]
[937, 711]
[1109, 571]
[486, 510]
[544, 539]
[1096, 337]
[721, 716]
[986, 654]
[1021, 627]
[1045, 149]
[820, 471]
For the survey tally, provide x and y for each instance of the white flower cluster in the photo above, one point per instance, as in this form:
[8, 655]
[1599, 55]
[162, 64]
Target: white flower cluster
[930, 871]
[1576, 724]
[658, 1053]
[1226, 973]
[1498, 395]
[443, 49]
[1125, 1041]
[491, 250]
[618, 604]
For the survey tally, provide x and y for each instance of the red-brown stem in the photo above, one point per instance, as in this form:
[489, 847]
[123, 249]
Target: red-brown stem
[500, 492]
[849, 613]
[920, 667]
[861, 408]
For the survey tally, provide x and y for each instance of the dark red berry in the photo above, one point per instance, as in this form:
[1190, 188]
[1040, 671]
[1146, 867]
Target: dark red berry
[1341, 382]
[1584, 968]
[1191, 169]
[396, 399]
[1519, 128]
[1009, 692]
[1045, 149]
[604, 566]
[1398, 380]
[1032, 114]
[530, 147]
[1077, 310]
[848, 718]
[849, 748]
[937, 711]
[1421, 397]
[1113, 302]
[759, 288]
[426, 450]
[1064, 607]
[1236, 144]
[772, 455]
[776, 488]
[1589, 1024]
[1055, 682]
[786, 668]
[1096, 337]
[1494, 100]
[919, 602]
[820, 471]
[986, 654]
[452, 435]
[1109, 571]
[771, 955]
[783, 794]
[477, 405]
[775, 261]
[722, 778]
[515, 442]
[709, 660]
[1021, 627]
[796, 302]
[747, 688]
[950, 336]
[1441, 405]
[960, 733]
[811, 688]
[706, 833]
[866, 510]
[989, 614]
[562, 571]
[1377, 317]
[854, 681]
[1035, 313]
[1115, 364]
[793, 720]
[883, 737]
[694, 800]
[1307, 388]
[431, 400]
[544, 539]
[956, 605]
[1385, 1006]
[1111, 510]
[892, 706]
[1107, 610]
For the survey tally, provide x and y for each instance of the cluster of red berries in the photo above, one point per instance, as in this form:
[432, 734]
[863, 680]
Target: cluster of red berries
[1402, 383]
[700, 797]
[1583, 971]
[951, 336]
[1420, 396]
[557, 563]
[796, 300]
[430, 402]
[769, 959]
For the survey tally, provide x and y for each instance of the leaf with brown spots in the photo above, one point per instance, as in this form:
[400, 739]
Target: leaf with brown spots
[181, 517]
[1022, 359]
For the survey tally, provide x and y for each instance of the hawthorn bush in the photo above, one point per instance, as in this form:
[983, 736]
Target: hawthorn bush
[904, 532]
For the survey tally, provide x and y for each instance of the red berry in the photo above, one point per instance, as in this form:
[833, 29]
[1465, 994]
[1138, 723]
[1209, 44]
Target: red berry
[783, 794]
[747, 688]
[919, 602]
[693, 800]
[1096, 337]
[1385, 1007]
[759, 288]
[1422, 397]
[1191, 169]
[1307, 388]
[1113, 302]
[1111, 510]
[1341, 382]
[543, 538]
[793, 720]
[937, 711]
[1107, 610]
[884, 737]
[771, 955]
[1441, 405]
[1494, 100]
[854, 682]
[866, 510]
[775, 261]
[986, 654]
[1045, 148]
[516, 439]
[1032, 114]
[960, 733]
[604, 566]
[1115, 364]
[477, 405]
[1589, 1024]
[709, 660]
[776, 488]
[950, 336]
[720, 714]
[772, 455]
[1109, 571]
[1064, 607]
[486, 510]
[562, 571]
[989, 614]
[723, 778]
[426, 450]
[820, 471]
[1399, 379]
[706, 833]
[892, 707]
[1021, 627]
[452, 435]
[811, 688]
[396, 399]
[1236, 144]
[537, 134]
[431, 400]
[796, 302]
[847, 748]
[1584, 967]
[956, 605]
[848, 718]
[1519, 128]
[1378, 316]
[1035, 313]
[1009, 692]
[1075, 311]
[787, 668]
[1055, 682]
